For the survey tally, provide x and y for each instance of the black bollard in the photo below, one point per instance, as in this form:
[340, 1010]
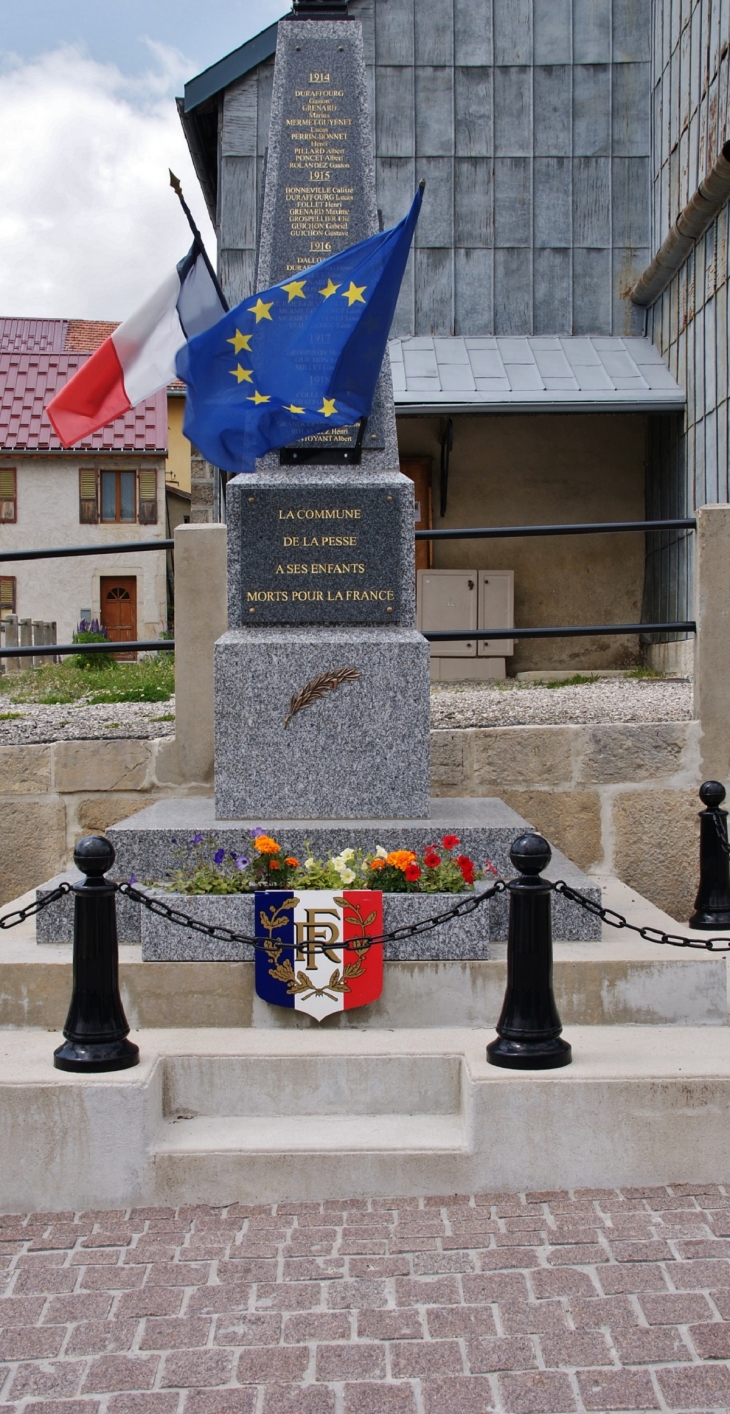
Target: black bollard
[529, 1028]
[712, 905]
[96, 1028]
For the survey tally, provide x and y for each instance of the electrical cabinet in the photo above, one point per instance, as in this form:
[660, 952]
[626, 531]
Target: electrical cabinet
[466, 599]
[447, 599]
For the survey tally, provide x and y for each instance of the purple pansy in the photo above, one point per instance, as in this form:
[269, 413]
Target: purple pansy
[219, 856]
[133, 878]
[258, 831]
[241, 861]
[197, 838]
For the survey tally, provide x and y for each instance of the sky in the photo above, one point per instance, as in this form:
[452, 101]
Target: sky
[88, 223]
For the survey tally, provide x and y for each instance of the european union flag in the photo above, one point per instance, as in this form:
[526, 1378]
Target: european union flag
[302, 356]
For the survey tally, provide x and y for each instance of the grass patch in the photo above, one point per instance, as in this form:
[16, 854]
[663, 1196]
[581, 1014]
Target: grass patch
[641, 673]
[150, 679]
[576, 681]
[9, 716]
[168, 717]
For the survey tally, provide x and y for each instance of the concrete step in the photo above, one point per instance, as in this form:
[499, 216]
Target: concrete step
[639, 1105]
[207, 1136]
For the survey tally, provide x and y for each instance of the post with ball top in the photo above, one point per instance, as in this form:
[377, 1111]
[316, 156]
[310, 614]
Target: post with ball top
[96, 1028]
[528, 1030]
[712, 905]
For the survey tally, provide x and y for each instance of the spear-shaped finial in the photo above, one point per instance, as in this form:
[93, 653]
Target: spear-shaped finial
[177, 188]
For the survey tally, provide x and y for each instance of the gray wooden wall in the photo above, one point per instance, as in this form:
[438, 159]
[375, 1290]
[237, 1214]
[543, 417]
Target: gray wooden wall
[689, 321]
[530, 120]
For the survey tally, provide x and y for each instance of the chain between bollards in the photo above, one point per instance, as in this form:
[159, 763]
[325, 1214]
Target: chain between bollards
[96, 1027]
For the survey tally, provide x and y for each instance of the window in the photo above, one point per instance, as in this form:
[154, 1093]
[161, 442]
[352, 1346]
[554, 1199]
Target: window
[88, 497]
[118, 495]
[7, 595]
[8, 497]
[148, 496]
[115, 497]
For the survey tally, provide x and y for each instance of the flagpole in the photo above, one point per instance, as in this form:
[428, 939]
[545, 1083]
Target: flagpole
[175, 184]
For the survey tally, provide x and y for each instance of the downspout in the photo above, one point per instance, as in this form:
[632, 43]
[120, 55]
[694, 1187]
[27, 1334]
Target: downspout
[698, 214]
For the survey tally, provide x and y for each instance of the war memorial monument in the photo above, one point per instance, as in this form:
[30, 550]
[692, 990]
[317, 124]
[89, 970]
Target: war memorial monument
[321, 590]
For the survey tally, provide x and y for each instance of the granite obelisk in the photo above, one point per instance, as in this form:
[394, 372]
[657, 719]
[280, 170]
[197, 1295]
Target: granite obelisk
[320, 537]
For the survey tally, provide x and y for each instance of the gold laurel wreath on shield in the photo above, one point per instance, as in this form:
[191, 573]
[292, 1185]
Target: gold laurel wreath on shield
[298, 983]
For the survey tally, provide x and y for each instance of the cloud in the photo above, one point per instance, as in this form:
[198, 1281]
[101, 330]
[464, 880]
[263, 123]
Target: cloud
[88, 223]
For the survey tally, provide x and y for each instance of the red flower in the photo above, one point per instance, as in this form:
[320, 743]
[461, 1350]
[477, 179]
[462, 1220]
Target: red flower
[490, 868]
[466, 866]
[450, 841]
[431, 859]
[412, 872]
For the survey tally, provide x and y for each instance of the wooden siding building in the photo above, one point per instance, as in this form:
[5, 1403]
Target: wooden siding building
[559, 139]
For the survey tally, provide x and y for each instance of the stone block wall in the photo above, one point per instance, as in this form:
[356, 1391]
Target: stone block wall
[617, 799]
[53, 794]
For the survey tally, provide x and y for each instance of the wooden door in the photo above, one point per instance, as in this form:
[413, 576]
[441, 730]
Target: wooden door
[119, 609]
[419, 471]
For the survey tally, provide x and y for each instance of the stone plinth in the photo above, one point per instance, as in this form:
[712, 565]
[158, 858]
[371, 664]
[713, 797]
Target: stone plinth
[159, 839]
[361, 751]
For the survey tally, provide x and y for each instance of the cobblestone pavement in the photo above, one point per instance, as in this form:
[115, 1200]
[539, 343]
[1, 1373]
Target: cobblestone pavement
[588, 1301]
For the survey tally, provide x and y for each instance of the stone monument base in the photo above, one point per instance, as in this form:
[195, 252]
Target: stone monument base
[156, 840]
[359, 750]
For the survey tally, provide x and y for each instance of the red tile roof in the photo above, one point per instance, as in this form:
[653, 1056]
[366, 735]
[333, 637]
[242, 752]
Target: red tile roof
[37, 356]
[85, 335]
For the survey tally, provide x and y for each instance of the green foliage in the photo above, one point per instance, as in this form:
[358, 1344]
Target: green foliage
[208, 868]
[642, 673]
[9, 716]
[576, 681]
[150, 679]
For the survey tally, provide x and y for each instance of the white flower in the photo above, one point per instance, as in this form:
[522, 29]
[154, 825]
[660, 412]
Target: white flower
[381, 853]
[347, 875]
[347, 855]
[309, 863]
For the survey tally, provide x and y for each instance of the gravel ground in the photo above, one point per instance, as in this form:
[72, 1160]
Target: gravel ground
[71, 721]
[463, 704]
[615, 1299]
[603, 700]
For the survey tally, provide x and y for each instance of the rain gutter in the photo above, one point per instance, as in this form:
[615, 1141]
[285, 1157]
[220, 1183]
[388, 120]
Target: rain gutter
[698, 214]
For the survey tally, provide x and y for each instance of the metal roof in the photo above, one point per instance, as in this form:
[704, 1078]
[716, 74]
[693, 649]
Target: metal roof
[37, 356]
[233, 66]
[532, 374]
[27, 383]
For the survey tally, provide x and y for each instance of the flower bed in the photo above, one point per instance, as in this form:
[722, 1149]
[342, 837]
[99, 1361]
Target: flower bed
[437, 869]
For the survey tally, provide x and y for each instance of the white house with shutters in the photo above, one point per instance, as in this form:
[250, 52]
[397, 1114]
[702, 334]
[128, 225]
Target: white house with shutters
[109, 489]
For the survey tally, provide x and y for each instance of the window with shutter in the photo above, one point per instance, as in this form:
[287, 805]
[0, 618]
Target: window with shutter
[7, 595]
[148, 496]
[8, 496]
[88, 497]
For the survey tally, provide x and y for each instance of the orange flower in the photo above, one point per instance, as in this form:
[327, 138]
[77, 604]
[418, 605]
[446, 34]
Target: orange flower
[290, 860]
[377, 863]
[400, 858]
[273, 864]
[265, 845]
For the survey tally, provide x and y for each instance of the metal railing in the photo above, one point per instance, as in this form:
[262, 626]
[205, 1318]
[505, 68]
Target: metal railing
[63, 552]
[515, 532]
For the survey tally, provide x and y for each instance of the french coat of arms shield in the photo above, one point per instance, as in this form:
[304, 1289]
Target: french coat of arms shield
[313, 953]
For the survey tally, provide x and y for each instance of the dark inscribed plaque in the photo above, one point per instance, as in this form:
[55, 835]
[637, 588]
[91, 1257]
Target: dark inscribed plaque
[315, 557]
[320, 206]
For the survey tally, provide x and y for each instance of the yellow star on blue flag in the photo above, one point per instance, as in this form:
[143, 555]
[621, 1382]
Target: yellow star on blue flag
[313, 346]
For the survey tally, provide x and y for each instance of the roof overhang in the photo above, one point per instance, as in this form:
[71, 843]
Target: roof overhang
[530, 374]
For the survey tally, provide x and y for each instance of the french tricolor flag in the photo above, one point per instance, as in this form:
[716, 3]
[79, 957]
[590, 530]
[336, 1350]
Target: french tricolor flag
[138, 359]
